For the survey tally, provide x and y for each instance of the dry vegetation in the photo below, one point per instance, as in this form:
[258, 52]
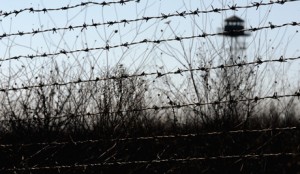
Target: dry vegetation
[83, 126]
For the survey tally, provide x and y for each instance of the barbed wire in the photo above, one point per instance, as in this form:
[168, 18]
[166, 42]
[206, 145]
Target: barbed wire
[127, 45]
[183, 14]
[159, 137]
[45, 10]
[164, 107]
[174, 105]
[157, 74]
[160, 161]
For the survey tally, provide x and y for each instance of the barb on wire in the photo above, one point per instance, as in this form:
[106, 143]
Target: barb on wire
[160, 161]
[45, 10]
[158, 74]
[127, 45]
[159, 137]
[127, 21]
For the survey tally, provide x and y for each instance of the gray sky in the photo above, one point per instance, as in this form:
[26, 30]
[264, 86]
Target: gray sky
[267, 44]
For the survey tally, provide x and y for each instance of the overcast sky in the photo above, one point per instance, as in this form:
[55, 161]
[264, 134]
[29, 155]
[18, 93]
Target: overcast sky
[266, 44]
[277, 14]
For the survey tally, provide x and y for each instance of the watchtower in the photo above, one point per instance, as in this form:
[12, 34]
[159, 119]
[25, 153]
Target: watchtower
[234, 35]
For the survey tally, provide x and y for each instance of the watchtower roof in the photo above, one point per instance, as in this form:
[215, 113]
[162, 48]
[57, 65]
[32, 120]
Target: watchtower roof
[234, 19]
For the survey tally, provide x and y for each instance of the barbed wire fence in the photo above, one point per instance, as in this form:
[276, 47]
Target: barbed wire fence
[59, 89]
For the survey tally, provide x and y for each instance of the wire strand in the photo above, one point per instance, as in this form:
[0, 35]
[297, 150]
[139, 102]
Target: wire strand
[180, 160]
[68, 7]
[85, 26]
[157, 74]
[160, 137]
